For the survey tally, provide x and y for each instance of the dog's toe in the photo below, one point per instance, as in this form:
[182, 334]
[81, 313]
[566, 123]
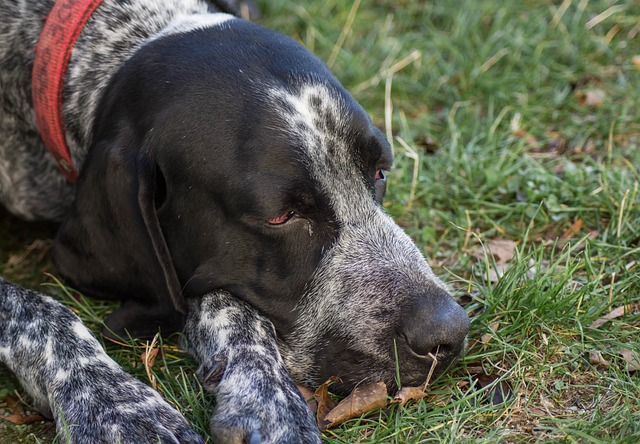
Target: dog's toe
[224, 435]
[261, 428]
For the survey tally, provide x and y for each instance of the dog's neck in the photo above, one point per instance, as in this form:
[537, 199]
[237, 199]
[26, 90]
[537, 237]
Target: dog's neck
[102, 49]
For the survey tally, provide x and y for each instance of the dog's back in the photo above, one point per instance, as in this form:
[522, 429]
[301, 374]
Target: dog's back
[31, 186]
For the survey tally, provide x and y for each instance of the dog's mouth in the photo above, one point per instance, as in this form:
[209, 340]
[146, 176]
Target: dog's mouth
[438, 362]
[395, 365]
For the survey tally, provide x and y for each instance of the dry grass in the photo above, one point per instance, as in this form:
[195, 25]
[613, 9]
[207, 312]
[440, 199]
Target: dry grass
[510, 120]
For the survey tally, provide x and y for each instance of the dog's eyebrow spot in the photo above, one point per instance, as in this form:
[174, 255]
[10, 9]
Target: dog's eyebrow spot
[319, 118]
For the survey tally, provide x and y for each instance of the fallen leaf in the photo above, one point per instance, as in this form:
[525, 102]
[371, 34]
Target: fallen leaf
[592, 97]
[24, 419]
[591, 236]
[537, 411]
[149, 357]
[499, 393]
[635, 60]
[306, 393]
[495, 273]
[475, 369]
[361, 400]
[613, 314]
[14, 405]
[487, 336]
[502, 249]
[325, 402]
[519, 133]
[596, 358]
[406, 394]
[556, 145]
[573, 229]
[308, 396]
[633, 362]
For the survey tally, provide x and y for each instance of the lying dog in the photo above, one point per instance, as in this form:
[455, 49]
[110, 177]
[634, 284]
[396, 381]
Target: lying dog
[230, 187]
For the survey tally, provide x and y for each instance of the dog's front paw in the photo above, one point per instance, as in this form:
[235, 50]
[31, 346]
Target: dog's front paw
[98, 406]
[256, 402]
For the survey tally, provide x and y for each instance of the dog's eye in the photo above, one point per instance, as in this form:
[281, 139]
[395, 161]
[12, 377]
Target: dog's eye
[380, 185]
[283, 218]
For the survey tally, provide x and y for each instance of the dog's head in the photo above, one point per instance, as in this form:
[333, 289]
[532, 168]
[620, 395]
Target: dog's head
[229, 157]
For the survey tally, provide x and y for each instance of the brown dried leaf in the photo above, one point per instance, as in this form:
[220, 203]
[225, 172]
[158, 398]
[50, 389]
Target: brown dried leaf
[149, 357]
[14, 405]
[406, 394]
[24, 419]
[632, 358]
[635, 60]
[307, 393]
[487, 336]
[556, 145]
[591, 236]
[495, 273]
[519, 133]
[596, 358]
[616, 313]
[308, 396]
[361, 400]
[475, 369]
[497, 394]
[592, 97]
[573, 229]
[501, 249]
[325, 402]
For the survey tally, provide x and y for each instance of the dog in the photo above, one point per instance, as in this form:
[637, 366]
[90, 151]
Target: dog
[228, 187]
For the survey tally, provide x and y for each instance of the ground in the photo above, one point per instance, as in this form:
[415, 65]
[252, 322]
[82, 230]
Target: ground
[515, 126]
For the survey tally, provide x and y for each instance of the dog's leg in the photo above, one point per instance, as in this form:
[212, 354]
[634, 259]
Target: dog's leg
[256, 399]
[70, 377]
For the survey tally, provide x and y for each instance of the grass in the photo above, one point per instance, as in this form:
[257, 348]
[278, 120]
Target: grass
[514, 120]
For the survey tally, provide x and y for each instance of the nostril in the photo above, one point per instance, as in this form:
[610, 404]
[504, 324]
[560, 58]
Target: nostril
[442, 349]
[435, 324]
[424, 349]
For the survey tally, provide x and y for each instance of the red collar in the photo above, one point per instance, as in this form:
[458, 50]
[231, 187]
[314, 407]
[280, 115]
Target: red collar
[60, 33]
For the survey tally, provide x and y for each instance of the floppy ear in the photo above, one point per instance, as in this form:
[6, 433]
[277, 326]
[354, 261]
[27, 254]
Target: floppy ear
[111, 245]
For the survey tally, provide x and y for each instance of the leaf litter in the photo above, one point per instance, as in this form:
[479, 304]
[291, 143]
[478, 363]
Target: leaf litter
[502, 251]
[406, 394]
[631, 358]
[362, 400]
[613, 314]
[370, 397]
[16, 413]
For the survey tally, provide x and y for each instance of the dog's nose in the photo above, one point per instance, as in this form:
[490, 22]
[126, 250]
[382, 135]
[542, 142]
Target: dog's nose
[435, 324]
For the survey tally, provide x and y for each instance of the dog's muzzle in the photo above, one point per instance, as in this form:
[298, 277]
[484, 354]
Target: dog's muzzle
[433, 332]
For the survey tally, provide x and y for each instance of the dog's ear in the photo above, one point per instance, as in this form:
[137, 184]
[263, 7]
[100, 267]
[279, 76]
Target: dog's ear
[111, 245]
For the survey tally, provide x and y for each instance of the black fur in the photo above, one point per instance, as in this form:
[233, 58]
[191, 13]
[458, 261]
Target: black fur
[229, 187]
